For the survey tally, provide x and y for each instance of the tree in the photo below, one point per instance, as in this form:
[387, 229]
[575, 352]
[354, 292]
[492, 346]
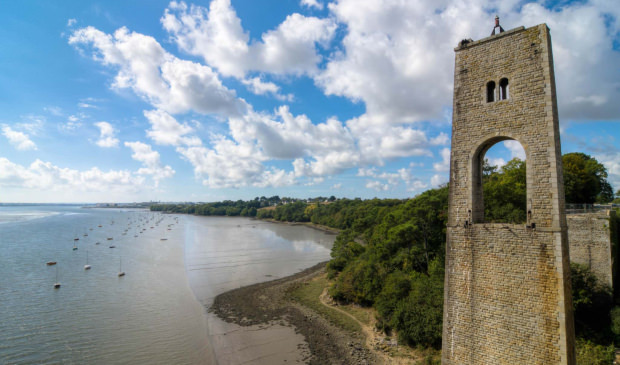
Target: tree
[505, 192]
[592, 303]
[585, 179]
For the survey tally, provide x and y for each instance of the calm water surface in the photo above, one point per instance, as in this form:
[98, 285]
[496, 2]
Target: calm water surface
[156, 314]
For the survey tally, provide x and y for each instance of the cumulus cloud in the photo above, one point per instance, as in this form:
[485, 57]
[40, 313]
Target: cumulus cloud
[444, 165]
[259, 87]
[611, 161]
[390, 180]
[496, 161]
[45, 176]
[163, 80]
[516, 150]
[585, 36]
[328, 148]
[216, 35]
[312, 4]
[19, 140]
[377, 185]
[166, 130]
[437, 180]
[232, 165]
[151, 161]
[394, 57]
[107, 134]
[397, 56]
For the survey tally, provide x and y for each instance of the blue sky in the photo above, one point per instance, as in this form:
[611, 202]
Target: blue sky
[211, 100]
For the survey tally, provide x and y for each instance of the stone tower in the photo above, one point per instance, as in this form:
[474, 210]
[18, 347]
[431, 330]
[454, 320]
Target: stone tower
[507, 288]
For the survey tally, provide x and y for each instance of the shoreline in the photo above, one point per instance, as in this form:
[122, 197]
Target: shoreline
[318, 227]
[269, 303]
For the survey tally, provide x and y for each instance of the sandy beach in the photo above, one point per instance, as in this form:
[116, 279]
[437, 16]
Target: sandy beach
[268, 306]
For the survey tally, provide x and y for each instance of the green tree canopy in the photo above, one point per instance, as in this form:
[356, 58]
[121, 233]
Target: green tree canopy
[585, 179]
[505, 192]
[505, 188]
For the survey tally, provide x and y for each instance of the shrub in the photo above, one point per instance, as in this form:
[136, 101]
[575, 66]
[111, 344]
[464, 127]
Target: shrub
[589, 353]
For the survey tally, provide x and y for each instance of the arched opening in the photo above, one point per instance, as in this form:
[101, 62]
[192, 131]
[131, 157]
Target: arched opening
[503, 89]
[490, 91]
[500, 183]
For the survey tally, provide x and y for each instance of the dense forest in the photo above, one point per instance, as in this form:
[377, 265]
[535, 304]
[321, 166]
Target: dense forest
[390, 253]
[231, 208]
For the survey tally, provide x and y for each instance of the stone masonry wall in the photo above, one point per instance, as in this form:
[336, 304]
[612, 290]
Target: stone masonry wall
[590, 243]
[507, 291]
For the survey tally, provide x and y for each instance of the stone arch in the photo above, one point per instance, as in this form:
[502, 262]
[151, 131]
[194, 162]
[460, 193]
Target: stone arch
[477, 154]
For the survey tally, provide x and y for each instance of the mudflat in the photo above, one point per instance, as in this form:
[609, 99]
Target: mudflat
[268, 304]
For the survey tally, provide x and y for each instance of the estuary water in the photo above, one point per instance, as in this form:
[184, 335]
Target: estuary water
[175, 265]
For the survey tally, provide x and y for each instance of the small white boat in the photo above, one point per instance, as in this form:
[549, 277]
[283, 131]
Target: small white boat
[87, 266]
[120, 270]
[56, 284]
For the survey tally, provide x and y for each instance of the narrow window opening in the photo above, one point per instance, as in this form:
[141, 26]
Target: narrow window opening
[503, 89]
[490, 91]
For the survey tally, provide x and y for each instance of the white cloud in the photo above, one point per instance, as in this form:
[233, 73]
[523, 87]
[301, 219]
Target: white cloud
[337, 186]
[438, 179]
[585, 60]
[444, 165]
[107, 137]
[44, 176]
[151, 161]
[19, 140]
[229, 164]
[259, 87]
[516, 150]
[54, 110]
[71, 22]
[397, 56]
[392, 179]
[327, 148]
[312, 4]
[611, 161]
[166, 130]
[377, 185]
[163, 80]
[74, 121]
[32, 124]
[498, 161]
[216, 35]
[441, 139]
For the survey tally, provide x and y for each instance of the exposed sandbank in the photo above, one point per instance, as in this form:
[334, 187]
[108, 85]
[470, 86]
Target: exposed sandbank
[266, 305]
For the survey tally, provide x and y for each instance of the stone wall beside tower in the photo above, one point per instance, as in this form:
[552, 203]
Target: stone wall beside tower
[592, 240]
[507, 288]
